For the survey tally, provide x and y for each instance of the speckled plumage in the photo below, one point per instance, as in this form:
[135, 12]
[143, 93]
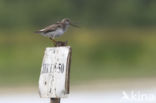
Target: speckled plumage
[55, 30]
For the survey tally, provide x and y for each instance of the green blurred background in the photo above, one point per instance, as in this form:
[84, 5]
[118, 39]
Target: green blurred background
[116, 39]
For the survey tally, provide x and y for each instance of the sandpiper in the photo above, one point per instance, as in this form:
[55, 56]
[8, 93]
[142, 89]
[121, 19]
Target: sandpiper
[56, 30]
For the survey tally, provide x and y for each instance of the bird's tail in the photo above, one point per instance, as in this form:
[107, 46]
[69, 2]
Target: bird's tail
[38, 31]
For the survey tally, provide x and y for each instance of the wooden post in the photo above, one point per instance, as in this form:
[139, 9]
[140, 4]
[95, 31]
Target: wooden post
[54, 78]
[54, 100]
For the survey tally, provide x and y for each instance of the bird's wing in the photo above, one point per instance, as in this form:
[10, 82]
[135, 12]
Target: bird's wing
[49, 28]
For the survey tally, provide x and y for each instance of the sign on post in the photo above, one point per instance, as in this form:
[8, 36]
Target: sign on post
[55, 71]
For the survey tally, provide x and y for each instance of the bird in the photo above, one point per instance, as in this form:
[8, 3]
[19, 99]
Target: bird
[56, 30]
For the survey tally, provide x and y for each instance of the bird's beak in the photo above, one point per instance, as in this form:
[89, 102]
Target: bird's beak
[74, 25]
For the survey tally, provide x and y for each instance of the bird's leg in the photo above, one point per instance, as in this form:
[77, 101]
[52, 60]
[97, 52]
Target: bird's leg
[58, 43]
[54, 41]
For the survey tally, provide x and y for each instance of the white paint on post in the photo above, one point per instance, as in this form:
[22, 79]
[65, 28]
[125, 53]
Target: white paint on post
[54, 78]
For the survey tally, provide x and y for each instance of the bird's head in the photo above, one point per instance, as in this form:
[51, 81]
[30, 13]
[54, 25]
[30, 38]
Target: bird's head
[67, 21]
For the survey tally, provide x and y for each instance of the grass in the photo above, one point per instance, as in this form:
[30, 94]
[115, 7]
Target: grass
[97, 54]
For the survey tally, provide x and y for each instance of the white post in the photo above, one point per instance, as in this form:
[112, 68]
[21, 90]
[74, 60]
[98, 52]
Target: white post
[55, 72]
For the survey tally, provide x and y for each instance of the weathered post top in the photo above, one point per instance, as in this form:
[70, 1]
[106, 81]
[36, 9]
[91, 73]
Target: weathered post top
[55, 72]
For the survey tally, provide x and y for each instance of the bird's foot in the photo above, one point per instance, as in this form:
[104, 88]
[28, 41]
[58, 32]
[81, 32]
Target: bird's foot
[60, 43]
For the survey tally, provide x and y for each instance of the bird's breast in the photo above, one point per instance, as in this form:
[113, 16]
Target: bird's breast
[59, 32]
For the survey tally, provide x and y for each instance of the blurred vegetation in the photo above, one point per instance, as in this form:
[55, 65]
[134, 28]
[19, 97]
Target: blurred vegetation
[30, 13]
[116, 39]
